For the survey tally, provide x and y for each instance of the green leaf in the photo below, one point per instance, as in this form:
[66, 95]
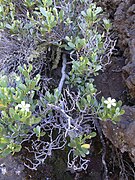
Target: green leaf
[4, 81]
[119, 103]
[20, 69]
[81, 153]
[98, 10]
[68, 48]
[49, 2]
[71, 45]
[72, 144]
[89, 12]
[67, 38]
[85, 146]
[1, 9]
[26, 117]
[8, 26]
[22, 87]
[34, 120]
[92, 134]
[37, 130]
[11, 128]
[55, 11]
[78, 146]
[25, 73]
[16, 117]
[89, 98]
[25, 67]
[11, 112]
[61, 15]
[32, 85]
[1, 128]
[56, 94]
[42, 133]
[18, 148]
[4, 140]
[30, 68]
[98, 67]
[85, 150]
[2, 146]
[37, 78]
[107, 24]
[6, 152]
[43, 11]
[83, 13]
[122, 112]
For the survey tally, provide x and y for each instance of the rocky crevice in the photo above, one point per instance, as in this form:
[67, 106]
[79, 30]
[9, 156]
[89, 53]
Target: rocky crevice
[122, 14]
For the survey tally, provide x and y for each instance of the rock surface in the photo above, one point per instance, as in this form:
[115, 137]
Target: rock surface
[122, 14]
[122, 135]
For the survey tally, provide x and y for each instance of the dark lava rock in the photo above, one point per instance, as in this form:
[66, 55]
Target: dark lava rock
[122, 135]
[122, 14]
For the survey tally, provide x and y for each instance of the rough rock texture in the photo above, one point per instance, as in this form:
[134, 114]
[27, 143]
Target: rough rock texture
[122, 135]
[124, 23]
[129, 76]
[122, 14]
[110, 82]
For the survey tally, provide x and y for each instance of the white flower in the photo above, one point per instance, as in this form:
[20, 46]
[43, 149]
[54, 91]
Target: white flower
[23, 106]
[110, 102]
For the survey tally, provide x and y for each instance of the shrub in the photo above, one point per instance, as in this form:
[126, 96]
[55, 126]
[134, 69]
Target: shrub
[66, 114]
[17, 109]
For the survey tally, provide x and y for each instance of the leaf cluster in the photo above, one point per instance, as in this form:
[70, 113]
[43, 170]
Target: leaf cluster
[16, 122]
